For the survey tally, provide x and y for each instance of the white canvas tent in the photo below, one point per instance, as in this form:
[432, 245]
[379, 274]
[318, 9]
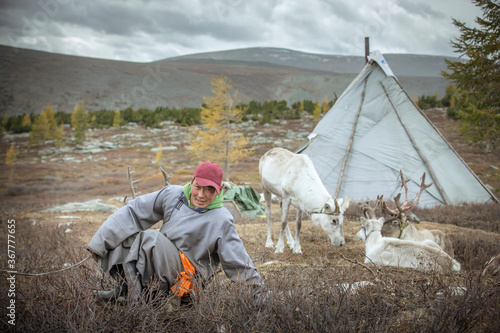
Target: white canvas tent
[373, 131]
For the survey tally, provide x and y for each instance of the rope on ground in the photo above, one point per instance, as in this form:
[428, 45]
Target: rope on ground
[46, 273]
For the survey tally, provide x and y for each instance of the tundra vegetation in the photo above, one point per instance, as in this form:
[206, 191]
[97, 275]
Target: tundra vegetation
[316, 292]
[320, 290]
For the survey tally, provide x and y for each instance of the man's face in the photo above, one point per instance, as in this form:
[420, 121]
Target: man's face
[201, 196]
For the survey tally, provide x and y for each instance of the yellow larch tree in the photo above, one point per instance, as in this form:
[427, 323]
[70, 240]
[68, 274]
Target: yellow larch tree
[11, 156]
[44, 127]
[117, 119]
[26, 121]
[218, 141]
[325, 107]
[10, 160]
[40, 129]
[317, 112]
[50, 113]
[79, 122]
[159, 154]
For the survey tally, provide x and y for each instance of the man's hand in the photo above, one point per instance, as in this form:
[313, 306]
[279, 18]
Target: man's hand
[95, 256]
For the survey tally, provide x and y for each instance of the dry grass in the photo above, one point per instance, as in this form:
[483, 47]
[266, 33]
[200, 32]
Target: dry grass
[307, 289]
[310, 296]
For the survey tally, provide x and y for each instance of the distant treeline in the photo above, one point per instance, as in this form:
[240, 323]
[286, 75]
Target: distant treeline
[265, 112]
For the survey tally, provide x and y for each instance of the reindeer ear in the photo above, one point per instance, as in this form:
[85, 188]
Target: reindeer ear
[345, 205]
[328, 208]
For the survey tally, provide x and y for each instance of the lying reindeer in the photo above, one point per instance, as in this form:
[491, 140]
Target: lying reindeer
[394, 228]
[402, 227]
[390, 251]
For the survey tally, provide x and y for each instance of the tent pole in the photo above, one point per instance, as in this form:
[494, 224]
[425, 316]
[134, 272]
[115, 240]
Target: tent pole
[426, 162]
[367, 49]
[348, 150]
[493, 197]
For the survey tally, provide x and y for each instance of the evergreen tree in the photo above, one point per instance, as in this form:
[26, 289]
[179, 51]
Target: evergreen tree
[477, 80]
[218, 141]
[79, 122]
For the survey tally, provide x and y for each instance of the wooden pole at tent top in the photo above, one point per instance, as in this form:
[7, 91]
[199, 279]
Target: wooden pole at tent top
[367, 48]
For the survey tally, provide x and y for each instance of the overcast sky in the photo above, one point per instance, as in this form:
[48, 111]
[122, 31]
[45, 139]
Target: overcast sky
[143, 30]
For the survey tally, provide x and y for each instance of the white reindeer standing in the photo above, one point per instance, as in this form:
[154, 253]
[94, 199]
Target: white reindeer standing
[292, 177]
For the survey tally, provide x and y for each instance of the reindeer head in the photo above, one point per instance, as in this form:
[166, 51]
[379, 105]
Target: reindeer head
[402, 211]
[368, 226]
[331, 219]
[369, 212]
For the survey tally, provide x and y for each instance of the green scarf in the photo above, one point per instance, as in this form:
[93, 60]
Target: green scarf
[216, 203]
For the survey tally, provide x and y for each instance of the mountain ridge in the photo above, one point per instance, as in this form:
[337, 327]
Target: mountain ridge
[31, 80]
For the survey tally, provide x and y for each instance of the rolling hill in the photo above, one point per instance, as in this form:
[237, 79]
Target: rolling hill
[31, 80]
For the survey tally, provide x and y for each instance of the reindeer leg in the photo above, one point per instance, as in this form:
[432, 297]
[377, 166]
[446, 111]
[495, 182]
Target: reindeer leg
[267, 197]
[298, 224]
[285, 205]
[289, 238]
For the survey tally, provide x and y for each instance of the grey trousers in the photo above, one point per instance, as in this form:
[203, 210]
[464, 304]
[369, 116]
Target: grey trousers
[152, 258]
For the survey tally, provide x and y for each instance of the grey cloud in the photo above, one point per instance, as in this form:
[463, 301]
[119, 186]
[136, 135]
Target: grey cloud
[421, 9]
[146, 30]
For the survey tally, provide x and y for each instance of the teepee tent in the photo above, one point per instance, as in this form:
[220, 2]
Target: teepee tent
[373, 131]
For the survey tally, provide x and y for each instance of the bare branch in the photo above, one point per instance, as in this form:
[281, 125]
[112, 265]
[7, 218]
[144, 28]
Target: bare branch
[132, 183]
[357, 263]
[166, 176]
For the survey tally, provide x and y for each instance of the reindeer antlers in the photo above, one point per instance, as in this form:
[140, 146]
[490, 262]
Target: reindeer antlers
[407, 205]
[369, 211]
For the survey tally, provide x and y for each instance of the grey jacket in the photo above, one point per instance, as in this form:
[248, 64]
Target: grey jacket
[207, 238]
